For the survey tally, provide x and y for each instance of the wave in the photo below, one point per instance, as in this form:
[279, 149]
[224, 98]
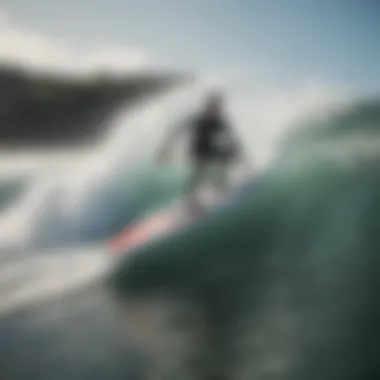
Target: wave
[89, 196]
[286, 277]
[11, 190]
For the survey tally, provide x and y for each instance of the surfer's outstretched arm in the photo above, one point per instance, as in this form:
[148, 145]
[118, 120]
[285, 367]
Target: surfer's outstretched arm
[173, 134]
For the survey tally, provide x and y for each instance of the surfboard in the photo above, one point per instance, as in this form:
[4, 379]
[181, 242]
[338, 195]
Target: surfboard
[162, 222]
[153, 226]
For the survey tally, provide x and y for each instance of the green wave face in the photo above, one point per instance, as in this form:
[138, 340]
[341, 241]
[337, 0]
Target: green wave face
[283, 282]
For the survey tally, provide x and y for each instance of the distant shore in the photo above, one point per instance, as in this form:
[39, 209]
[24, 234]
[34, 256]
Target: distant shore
[54, 111]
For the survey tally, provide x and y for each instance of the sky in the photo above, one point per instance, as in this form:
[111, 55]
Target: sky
[276, 57]
[293, 39]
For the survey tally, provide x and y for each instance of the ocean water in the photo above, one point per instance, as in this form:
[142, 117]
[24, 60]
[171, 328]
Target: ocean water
[283, 282]
[56, 212]
[59, 319]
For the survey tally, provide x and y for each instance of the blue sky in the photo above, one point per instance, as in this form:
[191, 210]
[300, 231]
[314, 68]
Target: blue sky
[337, 40]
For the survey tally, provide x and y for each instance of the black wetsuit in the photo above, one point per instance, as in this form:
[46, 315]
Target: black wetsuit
[212, 139]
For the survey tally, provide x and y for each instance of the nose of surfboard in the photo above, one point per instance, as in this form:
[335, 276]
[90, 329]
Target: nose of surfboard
[143, 231]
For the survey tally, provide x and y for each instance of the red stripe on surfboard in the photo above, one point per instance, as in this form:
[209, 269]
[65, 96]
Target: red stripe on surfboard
[143, 231]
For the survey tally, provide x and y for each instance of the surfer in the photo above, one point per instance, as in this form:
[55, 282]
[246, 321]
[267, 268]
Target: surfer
[213, 144]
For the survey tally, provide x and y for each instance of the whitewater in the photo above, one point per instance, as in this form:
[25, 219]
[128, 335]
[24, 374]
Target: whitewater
[56, 211]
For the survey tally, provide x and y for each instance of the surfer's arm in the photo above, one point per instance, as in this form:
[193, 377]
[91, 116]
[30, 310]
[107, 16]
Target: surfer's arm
[172, 136]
